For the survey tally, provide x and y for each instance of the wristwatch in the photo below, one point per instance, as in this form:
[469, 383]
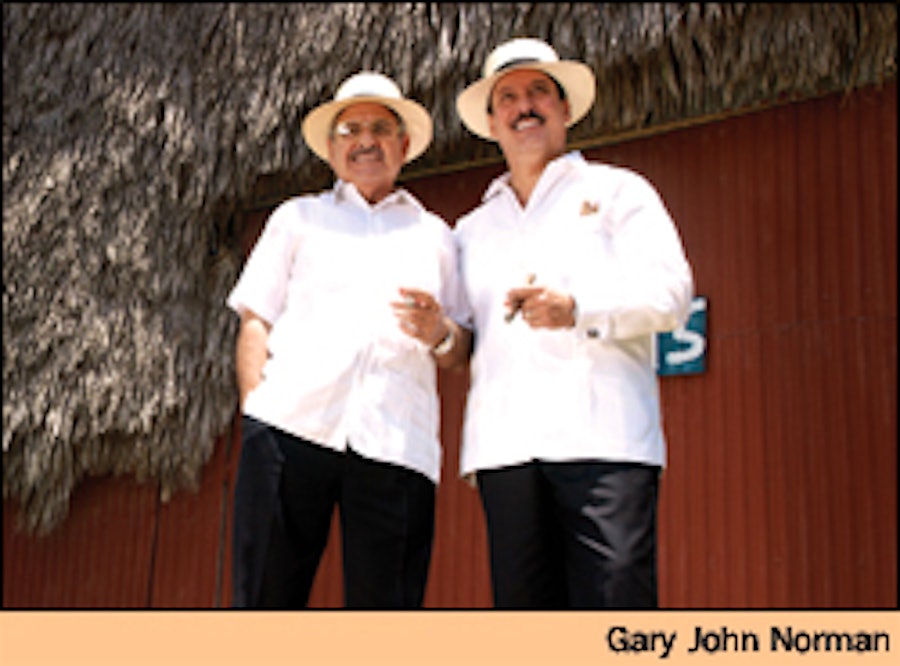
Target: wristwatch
[444, 345]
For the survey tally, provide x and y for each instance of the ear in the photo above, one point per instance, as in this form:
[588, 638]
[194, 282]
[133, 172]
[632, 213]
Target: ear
[405, 145]
[492, 125]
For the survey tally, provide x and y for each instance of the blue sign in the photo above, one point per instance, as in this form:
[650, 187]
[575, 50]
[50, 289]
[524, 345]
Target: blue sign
[683, 351]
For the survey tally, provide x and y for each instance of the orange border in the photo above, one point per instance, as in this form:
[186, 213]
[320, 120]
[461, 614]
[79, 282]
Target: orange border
[469, 638]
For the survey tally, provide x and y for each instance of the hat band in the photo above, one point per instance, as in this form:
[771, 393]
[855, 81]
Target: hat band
[514, 62]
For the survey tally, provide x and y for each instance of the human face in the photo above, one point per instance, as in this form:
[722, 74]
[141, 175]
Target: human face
[528, 117]
[368, 158]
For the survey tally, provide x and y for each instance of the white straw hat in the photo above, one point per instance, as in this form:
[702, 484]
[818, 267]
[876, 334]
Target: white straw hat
[368, 87]
[576, 79]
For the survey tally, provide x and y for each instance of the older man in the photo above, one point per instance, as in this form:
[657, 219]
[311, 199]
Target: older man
[571, 268]
[341, 305]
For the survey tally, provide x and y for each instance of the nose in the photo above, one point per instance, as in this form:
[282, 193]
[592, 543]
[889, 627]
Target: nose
[524, 103]
[367, 137]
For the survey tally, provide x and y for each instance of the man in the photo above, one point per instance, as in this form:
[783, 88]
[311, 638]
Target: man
[571, 268]
[341, 305]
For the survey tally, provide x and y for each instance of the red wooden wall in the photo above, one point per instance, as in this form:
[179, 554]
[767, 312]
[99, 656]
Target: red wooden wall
[781, 490]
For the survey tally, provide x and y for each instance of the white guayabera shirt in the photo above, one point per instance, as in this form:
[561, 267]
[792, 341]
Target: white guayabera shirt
[323, 274]
[602, 234]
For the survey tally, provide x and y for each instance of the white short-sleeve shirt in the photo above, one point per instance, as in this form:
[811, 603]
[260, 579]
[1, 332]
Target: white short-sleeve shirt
[323, 274]
[602, 234]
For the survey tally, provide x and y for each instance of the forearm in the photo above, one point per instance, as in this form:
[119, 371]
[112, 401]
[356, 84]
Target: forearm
[635, 312]
[251, 353]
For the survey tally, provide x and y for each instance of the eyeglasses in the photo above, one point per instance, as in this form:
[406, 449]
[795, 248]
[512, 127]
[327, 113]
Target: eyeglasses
[380, 129]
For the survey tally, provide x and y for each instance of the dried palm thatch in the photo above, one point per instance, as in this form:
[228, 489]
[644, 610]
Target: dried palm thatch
[133, 135]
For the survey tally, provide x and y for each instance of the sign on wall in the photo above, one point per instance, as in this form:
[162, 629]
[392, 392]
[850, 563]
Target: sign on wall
[683, 351]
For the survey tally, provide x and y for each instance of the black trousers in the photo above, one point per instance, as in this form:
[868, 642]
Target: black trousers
[572, 534]
[285, 495]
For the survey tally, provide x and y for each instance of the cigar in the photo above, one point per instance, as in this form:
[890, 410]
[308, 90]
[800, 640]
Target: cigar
[514, 310]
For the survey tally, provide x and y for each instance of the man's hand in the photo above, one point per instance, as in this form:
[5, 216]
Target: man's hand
[421, 316]
[542, 307]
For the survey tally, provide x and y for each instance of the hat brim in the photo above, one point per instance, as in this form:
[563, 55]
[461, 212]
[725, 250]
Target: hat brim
[317, 124]
[576, 79]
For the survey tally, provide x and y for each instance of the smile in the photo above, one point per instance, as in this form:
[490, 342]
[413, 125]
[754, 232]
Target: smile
[527, 123]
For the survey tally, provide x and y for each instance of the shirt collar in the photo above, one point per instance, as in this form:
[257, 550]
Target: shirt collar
[346, 191]
[554, 170]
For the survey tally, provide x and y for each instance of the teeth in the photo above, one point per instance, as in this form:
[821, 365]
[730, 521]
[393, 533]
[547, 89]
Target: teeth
[526, 123]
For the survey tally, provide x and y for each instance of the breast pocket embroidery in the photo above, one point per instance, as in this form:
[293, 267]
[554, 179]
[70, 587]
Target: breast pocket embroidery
[588, 208]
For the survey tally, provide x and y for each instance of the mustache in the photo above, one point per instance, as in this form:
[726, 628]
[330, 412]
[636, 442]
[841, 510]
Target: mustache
[528, 115]
[374, 150]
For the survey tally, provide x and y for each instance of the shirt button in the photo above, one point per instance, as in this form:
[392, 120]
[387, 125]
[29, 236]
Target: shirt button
[593, 333]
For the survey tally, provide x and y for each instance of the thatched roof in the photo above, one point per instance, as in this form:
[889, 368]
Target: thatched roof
[133, 135]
